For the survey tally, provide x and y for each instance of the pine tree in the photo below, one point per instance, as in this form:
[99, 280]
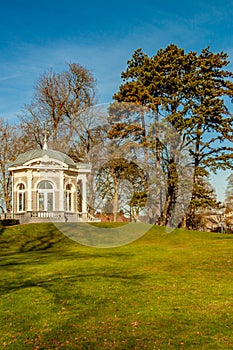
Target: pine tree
[190, 92]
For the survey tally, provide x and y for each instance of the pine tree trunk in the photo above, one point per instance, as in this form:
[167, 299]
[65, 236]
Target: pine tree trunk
[115, 199]
[192, 205]
[171, 194]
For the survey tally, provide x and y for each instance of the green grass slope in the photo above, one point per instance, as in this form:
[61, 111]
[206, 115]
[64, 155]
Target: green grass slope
[163, 291]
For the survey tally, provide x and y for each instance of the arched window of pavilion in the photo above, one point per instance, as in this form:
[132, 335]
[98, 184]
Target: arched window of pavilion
[45, 198]
[20, 197]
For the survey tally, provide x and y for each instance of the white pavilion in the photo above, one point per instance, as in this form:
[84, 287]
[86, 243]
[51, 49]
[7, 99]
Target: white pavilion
[49, 185]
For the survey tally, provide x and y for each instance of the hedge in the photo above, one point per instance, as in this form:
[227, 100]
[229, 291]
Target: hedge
[9, 222]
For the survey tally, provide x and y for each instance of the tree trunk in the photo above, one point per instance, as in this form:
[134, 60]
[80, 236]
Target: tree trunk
[171, 194]
[192, 206]
[115, 198]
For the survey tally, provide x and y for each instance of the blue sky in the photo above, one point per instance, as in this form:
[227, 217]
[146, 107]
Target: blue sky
[36, 36]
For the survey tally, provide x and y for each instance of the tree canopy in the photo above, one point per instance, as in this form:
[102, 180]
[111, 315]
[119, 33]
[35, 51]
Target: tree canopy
[193, 93]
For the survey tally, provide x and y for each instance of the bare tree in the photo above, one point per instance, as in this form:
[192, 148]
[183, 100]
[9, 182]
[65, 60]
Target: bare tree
[11, 145]
[57, 105]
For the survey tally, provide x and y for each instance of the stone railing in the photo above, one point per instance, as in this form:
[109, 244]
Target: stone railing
[43, 216]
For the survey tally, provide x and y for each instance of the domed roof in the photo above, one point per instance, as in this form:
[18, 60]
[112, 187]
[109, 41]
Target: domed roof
[41, 153]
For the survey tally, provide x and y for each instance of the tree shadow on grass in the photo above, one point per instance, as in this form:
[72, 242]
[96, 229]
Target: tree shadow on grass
[44, 256]
[25, 242]
[50, 283]
[1, 229]
[42, 242]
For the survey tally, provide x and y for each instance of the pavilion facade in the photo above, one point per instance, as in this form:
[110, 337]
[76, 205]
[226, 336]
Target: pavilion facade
[48, 185]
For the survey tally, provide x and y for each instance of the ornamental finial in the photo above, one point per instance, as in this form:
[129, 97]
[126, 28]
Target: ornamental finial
[46, 134]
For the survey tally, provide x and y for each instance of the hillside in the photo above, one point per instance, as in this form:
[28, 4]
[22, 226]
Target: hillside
[163, 291]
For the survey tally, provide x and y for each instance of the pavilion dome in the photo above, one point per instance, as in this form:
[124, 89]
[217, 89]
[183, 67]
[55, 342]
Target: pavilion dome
[26, 157]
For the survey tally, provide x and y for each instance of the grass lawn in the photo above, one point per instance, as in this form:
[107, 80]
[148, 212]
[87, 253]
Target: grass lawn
[163, 291]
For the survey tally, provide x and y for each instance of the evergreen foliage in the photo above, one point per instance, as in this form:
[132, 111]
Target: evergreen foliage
[192, 92]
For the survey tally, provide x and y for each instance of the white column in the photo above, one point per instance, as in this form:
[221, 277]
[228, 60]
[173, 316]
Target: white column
[29, 190]
[84, 194]
[13, 194]
[61, 192]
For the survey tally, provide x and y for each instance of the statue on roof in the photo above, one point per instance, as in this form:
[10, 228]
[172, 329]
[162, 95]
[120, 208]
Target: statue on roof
[46, 136]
